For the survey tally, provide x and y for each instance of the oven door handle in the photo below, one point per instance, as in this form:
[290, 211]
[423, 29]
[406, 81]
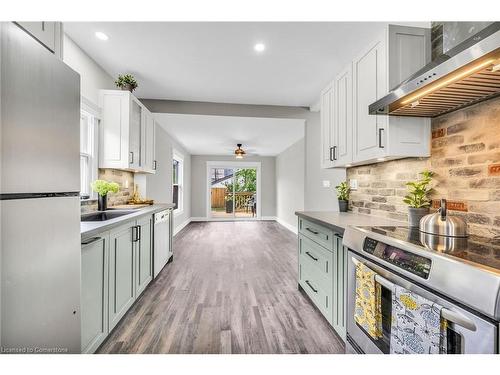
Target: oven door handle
[449, 315]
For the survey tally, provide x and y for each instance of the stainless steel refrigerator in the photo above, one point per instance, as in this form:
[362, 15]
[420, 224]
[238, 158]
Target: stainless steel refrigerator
[40, 207]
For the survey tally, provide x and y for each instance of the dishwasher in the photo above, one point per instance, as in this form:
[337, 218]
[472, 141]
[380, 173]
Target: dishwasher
[162, 241]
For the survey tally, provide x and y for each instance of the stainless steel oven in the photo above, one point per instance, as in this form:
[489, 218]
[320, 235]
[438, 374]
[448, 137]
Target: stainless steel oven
[469, 330]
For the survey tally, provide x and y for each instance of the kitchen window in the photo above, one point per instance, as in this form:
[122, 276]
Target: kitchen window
[177, 182]
[88, 152]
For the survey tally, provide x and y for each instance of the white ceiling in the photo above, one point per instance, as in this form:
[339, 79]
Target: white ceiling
[215, 61]
[218, 135]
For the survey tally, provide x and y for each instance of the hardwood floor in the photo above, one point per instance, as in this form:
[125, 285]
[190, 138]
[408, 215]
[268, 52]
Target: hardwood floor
[232, 288]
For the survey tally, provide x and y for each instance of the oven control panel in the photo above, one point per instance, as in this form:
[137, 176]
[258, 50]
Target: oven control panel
[406, 260]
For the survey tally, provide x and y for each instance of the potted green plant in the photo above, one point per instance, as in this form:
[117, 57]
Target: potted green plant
[126, 82]
[417, 199]
[343, 192]
[102, 188]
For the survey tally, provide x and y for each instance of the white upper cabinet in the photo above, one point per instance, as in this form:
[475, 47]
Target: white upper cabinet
[342, 115]
[126, 133]
[370, 83]
[148, 162]
[355, 136]
[327, 133]
[49, 34]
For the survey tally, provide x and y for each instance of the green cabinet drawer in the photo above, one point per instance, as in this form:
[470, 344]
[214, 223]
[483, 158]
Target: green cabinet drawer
[315, 288]
[317, 233]
[317, 257]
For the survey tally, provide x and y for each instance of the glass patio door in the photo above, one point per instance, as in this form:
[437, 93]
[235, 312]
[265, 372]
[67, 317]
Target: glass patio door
[233, 193]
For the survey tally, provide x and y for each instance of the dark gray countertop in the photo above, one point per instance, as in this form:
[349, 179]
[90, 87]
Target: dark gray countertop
[339, 221]
[92, 228]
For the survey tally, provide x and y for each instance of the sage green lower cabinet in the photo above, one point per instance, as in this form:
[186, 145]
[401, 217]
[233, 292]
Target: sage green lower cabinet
[144, 255]
[117, 266]
[323, 271]
[121, 273]
[339, 287]
[94, 293]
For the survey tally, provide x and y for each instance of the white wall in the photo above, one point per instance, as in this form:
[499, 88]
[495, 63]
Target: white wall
[159, 185]
[290, 175]
[92, 77]
[199, 183]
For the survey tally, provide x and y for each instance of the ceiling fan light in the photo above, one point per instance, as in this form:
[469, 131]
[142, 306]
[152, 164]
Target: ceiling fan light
[239, 152]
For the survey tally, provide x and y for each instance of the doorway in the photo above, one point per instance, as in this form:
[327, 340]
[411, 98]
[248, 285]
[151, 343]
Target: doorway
[233, 191]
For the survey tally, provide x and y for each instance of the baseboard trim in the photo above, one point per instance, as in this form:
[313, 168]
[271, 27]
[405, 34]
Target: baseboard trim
[198, 218]
[181, 226]
[269, 218]
[291, 228]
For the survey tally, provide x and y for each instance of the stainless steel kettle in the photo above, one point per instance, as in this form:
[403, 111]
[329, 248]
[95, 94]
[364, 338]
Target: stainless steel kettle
[441, 224]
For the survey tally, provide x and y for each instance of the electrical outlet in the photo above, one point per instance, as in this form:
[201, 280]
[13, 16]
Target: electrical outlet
[353, 184]
[326, 183]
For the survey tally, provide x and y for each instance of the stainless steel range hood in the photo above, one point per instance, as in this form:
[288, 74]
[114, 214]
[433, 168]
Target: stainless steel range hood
[465, 75]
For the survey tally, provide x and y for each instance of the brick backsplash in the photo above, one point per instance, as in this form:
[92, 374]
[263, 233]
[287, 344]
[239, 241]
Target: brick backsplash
[465, 157]
[123, 195]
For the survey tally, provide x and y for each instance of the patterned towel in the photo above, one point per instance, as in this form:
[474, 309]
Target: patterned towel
[417, 327]
[368, 301]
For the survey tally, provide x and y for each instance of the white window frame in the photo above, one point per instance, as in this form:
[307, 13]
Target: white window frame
[93, 112]
[176, 155]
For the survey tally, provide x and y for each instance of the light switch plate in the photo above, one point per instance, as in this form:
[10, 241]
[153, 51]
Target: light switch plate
[326, 183]
[353, 184]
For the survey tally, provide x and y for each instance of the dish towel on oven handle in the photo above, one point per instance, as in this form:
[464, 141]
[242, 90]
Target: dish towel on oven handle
[417, 326]
[368, 302]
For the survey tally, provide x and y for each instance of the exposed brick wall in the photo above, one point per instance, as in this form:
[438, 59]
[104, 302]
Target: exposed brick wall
[464, 155]
[123, 195]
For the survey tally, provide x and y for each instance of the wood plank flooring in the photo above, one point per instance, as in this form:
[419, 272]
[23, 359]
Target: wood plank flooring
[232, 288]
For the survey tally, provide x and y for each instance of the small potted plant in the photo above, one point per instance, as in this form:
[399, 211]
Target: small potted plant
[343, 192]
[126, 82]
[417, 199]
[102, 188]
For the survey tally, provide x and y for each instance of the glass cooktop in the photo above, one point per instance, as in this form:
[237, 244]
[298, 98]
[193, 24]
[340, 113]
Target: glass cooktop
[480, 250]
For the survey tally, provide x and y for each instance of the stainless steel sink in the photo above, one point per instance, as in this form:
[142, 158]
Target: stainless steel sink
[105, 215]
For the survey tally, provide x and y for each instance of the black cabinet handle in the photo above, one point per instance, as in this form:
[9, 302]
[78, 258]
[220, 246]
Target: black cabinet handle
[334, 152]
[136, 234]
[310, 256]
[131, 157]
[312, 231]
[380, 138]
[331, 154]
[139, 232]
[154, 165]
[310, 286]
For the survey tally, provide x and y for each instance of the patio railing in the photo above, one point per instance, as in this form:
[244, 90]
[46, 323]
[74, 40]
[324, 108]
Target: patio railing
[218, 199]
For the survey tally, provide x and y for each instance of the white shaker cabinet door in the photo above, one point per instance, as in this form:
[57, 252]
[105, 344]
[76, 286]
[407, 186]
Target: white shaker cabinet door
[343, 118]
[327, 141]
[369, 84]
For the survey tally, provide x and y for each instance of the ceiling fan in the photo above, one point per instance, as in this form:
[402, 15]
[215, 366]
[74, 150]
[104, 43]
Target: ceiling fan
[239, 152]
[246, 152]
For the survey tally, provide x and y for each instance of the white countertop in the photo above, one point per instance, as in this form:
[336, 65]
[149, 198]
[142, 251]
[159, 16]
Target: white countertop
[92, 228]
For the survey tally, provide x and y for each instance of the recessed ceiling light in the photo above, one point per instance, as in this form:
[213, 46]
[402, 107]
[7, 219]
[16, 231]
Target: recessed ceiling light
[381, 159]
[259, 47]
[100, 35]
